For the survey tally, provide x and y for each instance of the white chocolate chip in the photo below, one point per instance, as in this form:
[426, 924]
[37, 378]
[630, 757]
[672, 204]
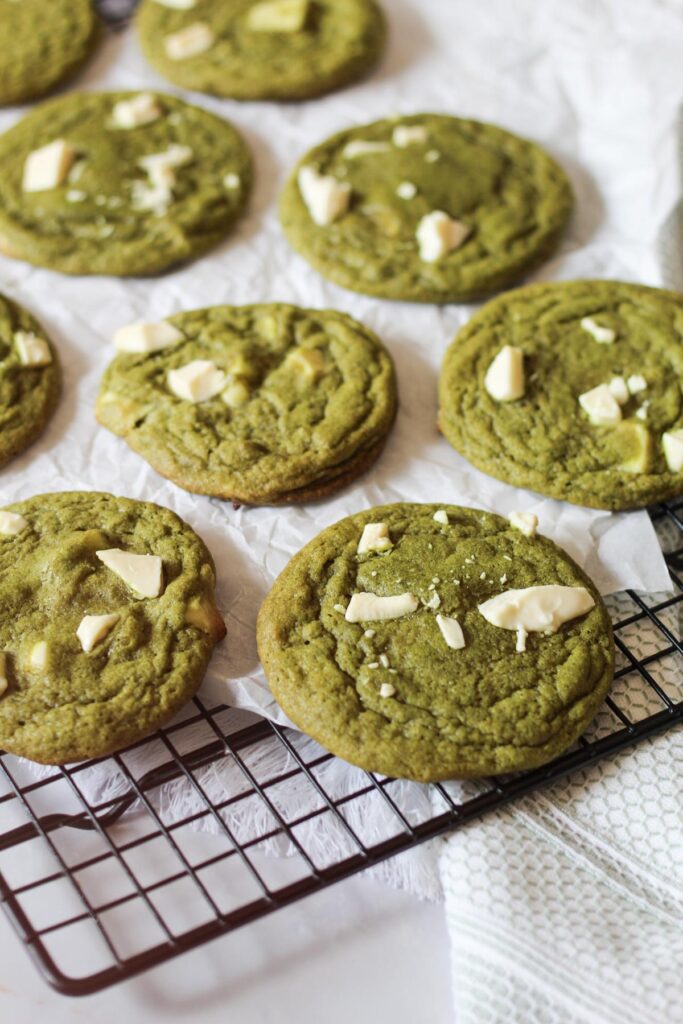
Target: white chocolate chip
[359, 147]
[601, 406]
[504, 378]
[94, 628]
[47, 167]
[340, 608]
[438, 235]
[503, 579]
[373, 664]
[522, 634]
[373, 608]
[11, 523]
[147, 337]
[156, 193]
[641, 413]
[432, 156]
[619, 389]
[409, 135]
[74, 195]
[672, 442]
[137, 111]
[189, 41]
[387, 690]
[232, 181]
[198, 381]
[278, 16]
[39, 656]
[326, 198]
[32, 350]
[537, 609]
[142, 573]
[525, 522]
[603, 335]
[369, 633]
[441, 517]
[451, 631]
[375, 537]
[384, 661]
[636, 383]
[406, 190]
[434, 602]
[308, 362]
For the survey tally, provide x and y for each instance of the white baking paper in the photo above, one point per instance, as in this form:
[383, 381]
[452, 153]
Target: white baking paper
[624, 188]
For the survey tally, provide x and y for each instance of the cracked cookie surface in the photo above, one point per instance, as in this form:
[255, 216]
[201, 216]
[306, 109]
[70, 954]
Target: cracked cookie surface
[62, 703]
[511, 198]
[484, 708]
[316, 400]
[544, 440]
[102, 218]
[338, 42]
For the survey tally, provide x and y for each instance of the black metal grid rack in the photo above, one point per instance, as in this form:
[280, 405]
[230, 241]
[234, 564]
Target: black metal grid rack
[73, 869]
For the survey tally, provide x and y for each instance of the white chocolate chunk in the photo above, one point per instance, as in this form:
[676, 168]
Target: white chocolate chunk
[432, 156]
[504, 378]
[359, 147]
[406, 190]
[672, 443]
[94, 628]
[326, 198]
[434, 602]
[147, 337]
[198, 381]
[438, 235]
[232, 181]
[189, 42]
[74, 195]
[636, 383]
[619, 389]
[309, 362]
[38, 657]
[522, 634]
[603, 335]
[641, 413]
[525, 522]
[384, 660]
[47, 167]
[178, 5]
[441, 517]
[601, 406]
[387, 690]
[157, 193]
[142, 573]
[451, 631]
[373, 608]
[32, 350]
[139, 110]
[4, 682]
[375, 537]
[409, 135]
[278, 16]
[537, 609]
[11, 523]
[236, 394]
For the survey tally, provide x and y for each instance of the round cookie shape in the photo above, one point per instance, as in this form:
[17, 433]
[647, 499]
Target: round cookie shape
[289, 405]
[392, 695]
[262, 49]
[426, 208]
[43, 44]
[119, 183]
[30, 379]
[578, 342]
[73, 688]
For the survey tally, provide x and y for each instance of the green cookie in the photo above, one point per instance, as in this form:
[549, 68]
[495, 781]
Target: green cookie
[395, 695]
[131, 183]
[30, 379]
[71, 690]
[250, 50]
[617, 447]
[279, 404]
[425, 208]
[43, 44]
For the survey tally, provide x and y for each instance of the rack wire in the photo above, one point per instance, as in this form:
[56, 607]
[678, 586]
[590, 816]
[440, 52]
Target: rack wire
[137, 885]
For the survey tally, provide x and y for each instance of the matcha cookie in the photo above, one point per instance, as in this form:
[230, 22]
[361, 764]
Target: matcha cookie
[261, 49]
[43, 44]
[108, 623]
[119, 183]
[434, 642]
[30, 380]
[426, 208]
[572, 390]
[266, 405]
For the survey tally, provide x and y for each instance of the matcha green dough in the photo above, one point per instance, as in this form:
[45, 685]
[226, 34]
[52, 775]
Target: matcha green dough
[305, 407]
[545, 440]
[509, 200]
[76, 704]
[112, 214]
[391, 696]
[42, 44]
[333, 43]
[28, 393]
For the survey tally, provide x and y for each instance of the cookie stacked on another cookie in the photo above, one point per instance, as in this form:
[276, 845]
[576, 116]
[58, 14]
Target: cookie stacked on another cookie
[267, 404]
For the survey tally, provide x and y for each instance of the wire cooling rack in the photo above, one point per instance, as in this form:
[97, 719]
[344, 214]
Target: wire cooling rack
[134, 885]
